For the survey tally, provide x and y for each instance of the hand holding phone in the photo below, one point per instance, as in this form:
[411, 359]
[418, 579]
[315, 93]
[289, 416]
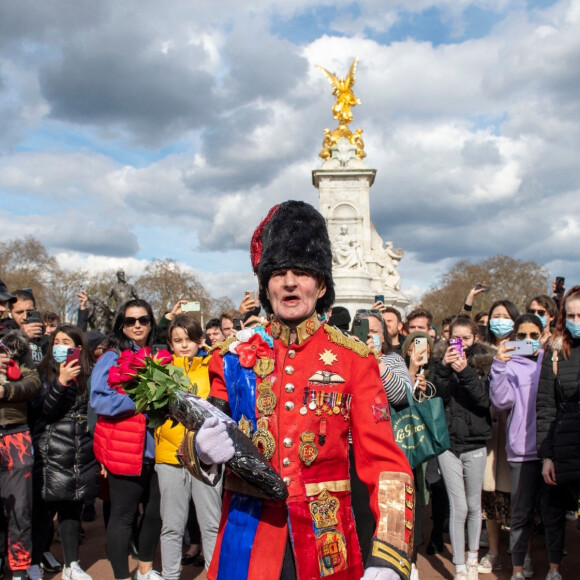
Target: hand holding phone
[73, 354]
[521, 347]
[457, 343]
[71, 368]
[360, 329]
[421, 346]
[559, 285]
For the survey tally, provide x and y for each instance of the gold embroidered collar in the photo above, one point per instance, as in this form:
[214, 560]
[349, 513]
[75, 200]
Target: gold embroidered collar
[303, 331]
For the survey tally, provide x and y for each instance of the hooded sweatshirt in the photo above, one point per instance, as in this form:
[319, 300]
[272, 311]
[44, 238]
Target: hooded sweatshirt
[514, 387]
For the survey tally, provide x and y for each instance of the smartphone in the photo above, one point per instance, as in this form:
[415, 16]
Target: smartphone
[559, 285]
[522, 347]
[251, 294]
[485, 287]
[380, 298]
[360, 329]
[73, 354]
[237, 323]
[457, 343]
[191, 307]
[421, 344]
[32, 316]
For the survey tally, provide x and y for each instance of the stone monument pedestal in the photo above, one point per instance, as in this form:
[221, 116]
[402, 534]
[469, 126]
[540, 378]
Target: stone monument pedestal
[362, 265]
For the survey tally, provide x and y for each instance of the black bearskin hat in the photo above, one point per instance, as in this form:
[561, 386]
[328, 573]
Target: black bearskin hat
[293, 235]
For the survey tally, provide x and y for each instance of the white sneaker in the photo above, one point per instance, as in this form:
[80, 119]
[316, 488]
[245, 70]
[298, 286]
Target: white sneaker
[150, 575]
[460, 575]
[75, 572]
[489, 563]
[528, 567]
[553, 575]
[472, 573]
[35, 572]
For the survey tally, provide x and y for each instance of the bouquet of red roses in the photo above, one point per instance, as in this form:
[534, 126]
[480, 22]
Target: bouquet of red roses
[150, 380]
[163, 391]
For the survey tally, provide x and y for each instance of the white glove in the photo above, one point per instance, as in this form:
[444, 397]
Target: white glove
[376, 573]
[212, 442]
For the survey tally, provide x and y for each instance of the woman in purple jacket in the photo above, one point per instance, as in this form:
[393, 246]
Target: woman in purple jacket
[513, 387]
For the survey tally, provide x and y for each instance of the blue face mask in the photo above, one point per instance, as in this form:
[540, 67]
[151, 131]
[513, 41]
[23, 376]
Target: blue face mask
[574, 328]
[59, 352]
[544, 320]
[536, 345]
[501, 327]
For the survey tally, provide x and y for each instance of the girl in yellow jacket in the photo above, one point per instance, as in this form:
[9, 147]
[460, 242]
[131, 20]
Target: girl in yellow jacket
[176, 484]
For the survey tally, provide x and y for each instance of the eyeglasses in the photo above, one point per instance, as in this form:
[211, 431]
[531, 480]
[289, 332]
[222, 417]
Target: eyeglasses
[538, 312]
[524, 335]
[366, 312]
[129, 321]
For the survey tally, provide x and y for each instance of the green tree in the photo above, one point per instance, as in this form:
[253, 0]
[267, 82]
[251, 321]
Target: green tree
[509, 279]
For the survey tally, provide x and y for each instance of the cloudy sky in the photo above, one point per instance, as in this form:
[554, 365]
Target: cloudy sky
[139, 129]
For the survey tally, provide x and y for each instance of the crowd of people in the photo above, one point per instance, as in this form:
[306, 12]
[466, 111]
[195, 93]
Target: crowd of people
[68, 437]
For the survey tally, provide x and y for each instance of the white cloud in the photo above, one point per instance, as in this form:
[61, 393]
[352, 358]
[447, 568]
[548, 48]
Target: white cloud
[195, 122]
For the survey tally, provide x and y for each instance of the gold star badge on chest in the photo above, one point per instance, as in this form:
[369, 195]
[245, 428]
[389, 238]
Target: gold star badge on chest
[327, 357]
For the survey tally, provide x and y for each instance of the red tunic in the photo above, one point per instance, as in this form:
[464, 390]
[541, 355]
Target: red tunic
[324, 385]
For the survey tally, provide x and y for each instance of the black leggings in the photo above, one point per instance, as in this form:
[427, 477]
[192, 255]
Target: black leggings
[69, 525]
[126, 494]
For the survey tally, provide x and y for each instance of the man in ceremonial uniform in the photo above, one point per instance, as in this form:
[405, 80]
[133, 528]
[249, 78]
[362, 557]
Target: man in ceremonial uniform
[297, 388]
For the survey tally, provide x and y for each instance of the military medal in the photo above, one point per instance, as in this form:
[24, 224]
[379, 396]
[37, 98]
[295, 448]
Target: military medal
[264, 366]
[266, 401]
[312, 404]
[336, 403]
[304, 408]
[347, 407]
[263, 439]
[245, 426]
[327, 357]
[307, 451]
[322, 431]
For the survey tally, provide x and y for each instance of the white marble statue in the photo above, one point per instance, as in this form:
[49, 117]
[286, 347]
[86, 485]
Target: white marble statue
[347, 251]
[391, 277]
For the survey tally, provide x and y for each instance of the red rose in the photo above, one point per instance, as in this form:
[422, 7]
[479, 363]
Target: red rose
[163, 357]
[254, 348]
[139, 358]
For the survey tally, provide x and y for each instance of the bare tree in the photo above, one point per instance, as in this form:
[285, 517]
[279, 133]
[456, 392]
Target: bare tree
[25, 263]
[219, 305]
[509, 279]
[164, 282]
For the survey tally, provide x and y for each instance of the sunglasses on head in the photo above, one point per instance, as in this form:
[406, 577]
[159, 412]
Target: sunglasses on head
[130, 321]
[539, 312]
[366, 312]
[524, 335]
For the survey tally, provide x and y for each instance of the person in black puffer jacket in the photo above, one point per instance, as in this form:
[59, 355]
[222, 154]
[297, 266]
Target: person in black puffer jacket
[65, 468]
[461, 381]
[560, 453]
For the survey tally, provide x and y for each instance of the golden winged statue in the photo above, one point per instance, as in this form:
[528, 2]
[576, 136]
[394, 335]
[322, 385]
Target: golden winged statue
[345, 98]
[341, 111]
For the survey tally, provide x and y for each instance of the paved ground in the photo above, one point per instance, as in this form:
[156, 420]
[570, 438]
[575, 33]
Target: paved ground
[93, 560]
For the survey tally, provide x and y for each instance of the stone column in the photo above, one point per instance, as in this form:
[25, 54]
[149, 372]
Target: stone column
[344, 183]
